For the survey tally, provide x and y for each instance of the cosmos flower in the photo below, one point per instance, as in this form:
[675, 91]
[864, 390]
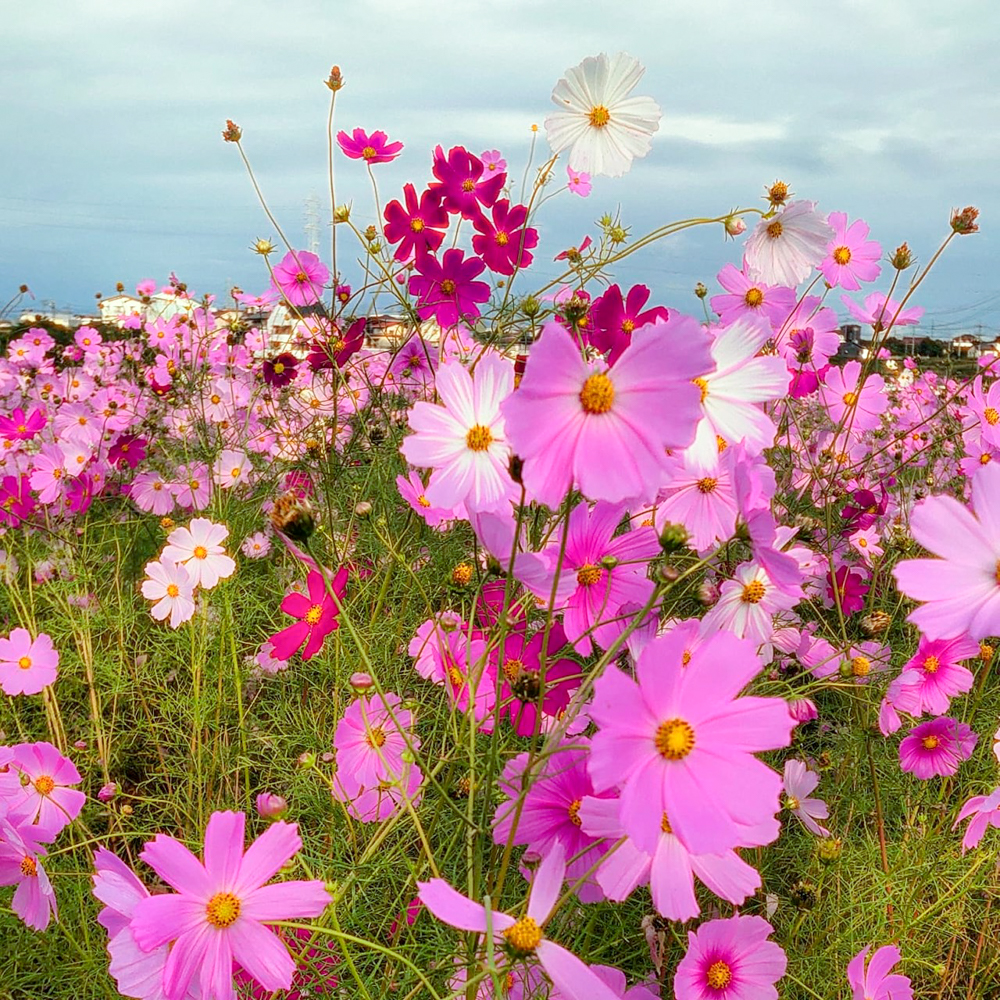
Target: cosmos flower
[751, 300]
[853, 398]
[281, 370]
[985, 812]
[875, 982]
[578, 181]
[317, 614]
[503, 240]
[419, 227]
[170, 587]
[446, 289]
[27, 665]
[786, 248]
[198, 548]
[369, 740]
[936, 747]
[799, 783]
[730, 960]
[523, 937]
[464, 185]
[613, 319]
[300, 277]
[218, 911]
[374, 148]
[602, 127]
[37, 789]
[851, 257]
[20, 864]
[575, 423]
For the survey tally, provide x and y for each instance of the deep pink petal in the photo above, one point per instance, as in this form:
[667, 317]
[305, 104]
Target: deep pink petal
[262, 954]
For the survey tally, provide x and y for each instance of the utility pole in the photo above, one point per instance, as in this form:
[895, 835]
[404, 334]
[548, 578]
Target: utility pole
[312, 224]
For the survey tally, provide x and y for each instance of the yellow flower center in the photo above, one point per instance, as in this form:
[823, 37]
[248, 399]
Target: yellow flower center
[753, 592]
[665, 826]
[753, 298]
[173, 590]
[512, 669]
[588, 574]
[719, 975]
[861, 666]
[423, 501]
[686, 658]
[417, 225]
[524, 937]
[599, 116]
[997, 574]
[468, 185]
[501, 238]
[707, 485]
[44, 784]
[984, 459]
[279, 367]
[375, 737]
[703, 385]
[775, 229]
[674, 739]
[791, 802]
[24, 662]
[574, 813]
[479, 438]
[628, 326]
[314, 614]
[850, 398]
[301, 277]
[930, 742]
[842, 255]
[932, 664]
[200, 552]
[448, 286]
[597, 394]
[29, 867]
[455, 676]
[991, 416]
[368, 152]
[461, 574]
[222, 910]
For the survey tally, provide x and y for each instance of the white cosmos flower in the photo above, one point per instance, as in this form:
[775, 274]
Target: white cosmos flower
[787, 248]
[602, 127]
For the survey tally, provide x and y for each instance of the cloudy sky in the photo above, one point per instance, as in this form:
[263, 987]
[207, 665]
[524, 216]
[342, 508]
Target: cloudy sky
[114, 168]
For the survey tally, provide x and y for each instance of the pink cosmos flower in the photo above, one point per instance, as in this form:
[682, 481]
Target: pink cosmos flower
[20, 426]
[606, 429]
[370, 742]
[785, 249]
[300, 277]
[463, 182]
[748, 603]
[985, 812]
[881, 312]
[231, 468]
[680, 741]
[856, 405]
[412, 490]
[504, 241]
[493, 161]
[418, 228]
[578, 181]
[374, 148]
[730, 960]
[198, 548]
[799, 782]
[732, 392]
[851, 256]
[705, 505]
[217, 914]
[445, 288]
[523, 937]
[464, 440]
[152, 493]
[170, 586]
[36, 789]
[600, 573]
[671, 868]
[137, 973]
[194, 488]
[20, 852]
[875, 982]
[936, 747]
[452, 654]
[933, 676]
[317, 616]
[316, 961]
[27, 665]
[962, 587]
[613, 319]
[376, 803]
[751, 300]
[256, 546]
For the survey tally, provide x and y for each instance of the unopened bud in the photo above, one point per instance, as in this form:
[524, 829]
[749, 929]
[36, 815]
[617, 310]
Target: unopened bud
[673, 537]
[667, 573]
[107, 792]
[530, 306]
[361, 681]
[708, 593]
[609, 562]
[306, 759]
[700, 290]
[335, 80]
[263, 247]
[802, 710]
[271, 806]
[901, 258]
[829, 849]
[735, 226]
[362, 509]
[618, 234]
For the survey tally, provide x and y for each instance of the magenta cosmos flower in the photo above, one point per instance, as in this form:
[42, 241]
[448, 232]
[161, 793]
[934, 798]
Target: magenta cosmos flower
[936, 747]
[27, 665]
[464, 440]
[850, 256]
[300, 277]
[20, 426]
[463, 182]
[446, 288]
[680, 742]
[962, 587]
[604, 429]
[216, 915]
[876, 982]
[730, 960]
[419, 227]
[523, 938]
[503, 241]
[317, 614]
[34, 898]
[933, 676]
[613, 319]
[374, 148]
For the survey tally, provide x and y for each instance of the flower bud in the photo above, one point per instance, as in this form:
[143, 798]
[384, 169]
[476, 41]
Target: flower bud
[362, 509]
[609, 562]
[803, 710]
[107, 792]
[335, 80]
[271, 806]
[673, 537]
[735, 226]
[263, 247]
[901, 258]
[700, 290]
[708, 593]
[306, 759]
[361, 681]
[80, 745]
[618, 234]
[232, 132]
[342, 213]
[829, 850]
[667, 573]
[530, 306]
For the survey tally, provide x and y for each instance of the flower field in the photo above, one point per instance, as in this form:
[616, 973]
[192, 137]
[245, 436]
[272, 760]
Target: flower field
[453, 632]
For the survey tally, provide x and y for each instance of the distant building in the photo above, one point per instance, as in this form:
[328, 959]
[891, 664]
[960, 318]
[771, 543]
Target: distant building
[966, 346]
[850, 343]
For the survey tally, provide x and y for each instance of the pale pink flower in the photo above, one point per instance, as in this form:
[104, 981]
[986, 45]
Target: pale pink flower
[799, 783]
[27, 665]
[198, 547]
[786, 248]
[170, 587]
